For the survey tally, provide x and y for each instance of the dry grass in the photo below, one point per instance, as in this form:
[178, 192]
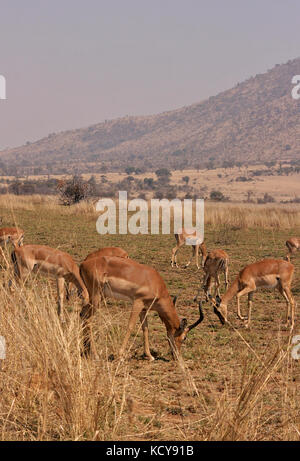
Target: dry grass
[231, 215]
[234, 385]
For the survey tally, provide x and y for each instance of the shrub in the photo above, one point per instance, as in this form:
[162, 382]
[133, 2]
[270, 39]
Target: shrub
[72, 191]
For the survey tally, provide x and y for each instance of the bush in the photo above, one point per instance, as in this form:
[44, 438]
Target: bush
[72, 191]
[217, 196]
[266, 199]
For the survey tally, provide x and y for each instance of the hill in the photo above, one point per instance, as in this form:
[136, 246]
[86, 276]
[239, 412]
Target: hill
[255, 121]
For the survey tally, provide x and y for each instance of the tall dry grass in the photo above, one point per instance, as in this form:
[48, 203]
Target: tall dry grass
[50, 392]
[230, 215]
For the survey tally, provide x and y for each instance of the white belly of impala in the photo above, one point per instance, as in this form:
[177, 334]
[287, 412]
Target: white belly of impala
[118, 288]
[48, 268]
[268, 281]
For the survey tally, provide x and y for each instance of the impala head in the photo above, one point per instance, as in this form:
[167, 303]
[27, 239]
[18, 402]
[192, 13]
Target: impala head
[220, 309]
[181, 333]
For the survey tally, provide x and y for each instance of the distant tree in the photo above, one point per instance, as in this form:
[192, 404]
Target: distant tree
[130, 170]
[73, 190]
[217, 196]
[266, 199]
[149, 182]
[158, 194]
[15, 188]
[186, 179]
[162, 172]
[163, 175]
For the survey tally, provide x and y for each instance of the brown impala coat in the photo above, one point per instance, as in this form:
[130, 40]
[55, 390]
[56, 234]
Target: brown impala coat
[268, 273]
[128, 280]
[108, 251]
[49, 261]
[15, 235]
[293, 244]
[216, 261]
[181, 238]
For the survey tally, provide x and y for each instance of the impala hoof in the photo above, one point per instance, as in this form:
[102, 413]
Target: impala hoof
[150, 359]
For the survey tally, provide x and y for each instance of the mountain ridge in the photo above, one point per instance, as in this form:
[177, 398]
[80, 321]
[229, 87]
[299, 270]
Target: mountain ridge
[256, 120]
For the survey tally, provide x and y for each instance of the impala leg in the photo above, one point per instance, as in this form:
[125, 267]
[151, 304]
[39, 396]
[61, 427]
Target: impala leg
[250, 301]
[239, 295]
[217, 285]
[20, 271]
[68, 290]
[137, 307]
[283, 293]
[144, 322]
[196, 252]
[226, 277]
[206, 286]
[60, 282]
[202, 247]
[86, 313]
[174, 256]
[192, 255]
[290, 305]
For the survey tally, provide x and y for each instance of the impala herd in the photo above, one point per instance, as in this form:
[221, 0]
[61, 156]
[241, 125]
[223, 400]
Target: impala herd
[110, 273]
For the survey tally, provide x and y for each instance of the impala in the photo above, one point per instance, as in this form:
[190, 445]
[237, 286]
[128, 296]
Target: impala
[49, 261]
[128, 280]
[268, 273]
[216, 261]
[293, 244]
[108, 251]
[182, 237]
[13, 235]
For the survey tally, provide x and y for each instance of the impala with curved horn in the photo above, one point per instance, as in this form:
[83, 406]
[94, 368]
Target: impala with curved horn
[128, 280]
[268, 273]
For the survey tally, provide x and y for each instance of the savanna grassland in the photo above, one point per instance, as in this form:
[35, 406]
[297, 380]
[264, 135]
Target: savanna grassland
[235, 384]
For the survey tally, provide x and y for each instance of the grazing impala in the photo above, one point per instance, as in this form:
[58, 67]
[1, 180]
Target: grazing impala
[293, 244]
[182, 237]
[268, 273]
[126, 279]
[216, 261]
[49, 261]
[13, 235]
[108, 251]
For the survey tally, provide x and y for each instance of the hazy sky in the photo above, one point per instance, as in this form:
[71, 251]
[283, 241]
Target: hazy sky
[72, 63]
